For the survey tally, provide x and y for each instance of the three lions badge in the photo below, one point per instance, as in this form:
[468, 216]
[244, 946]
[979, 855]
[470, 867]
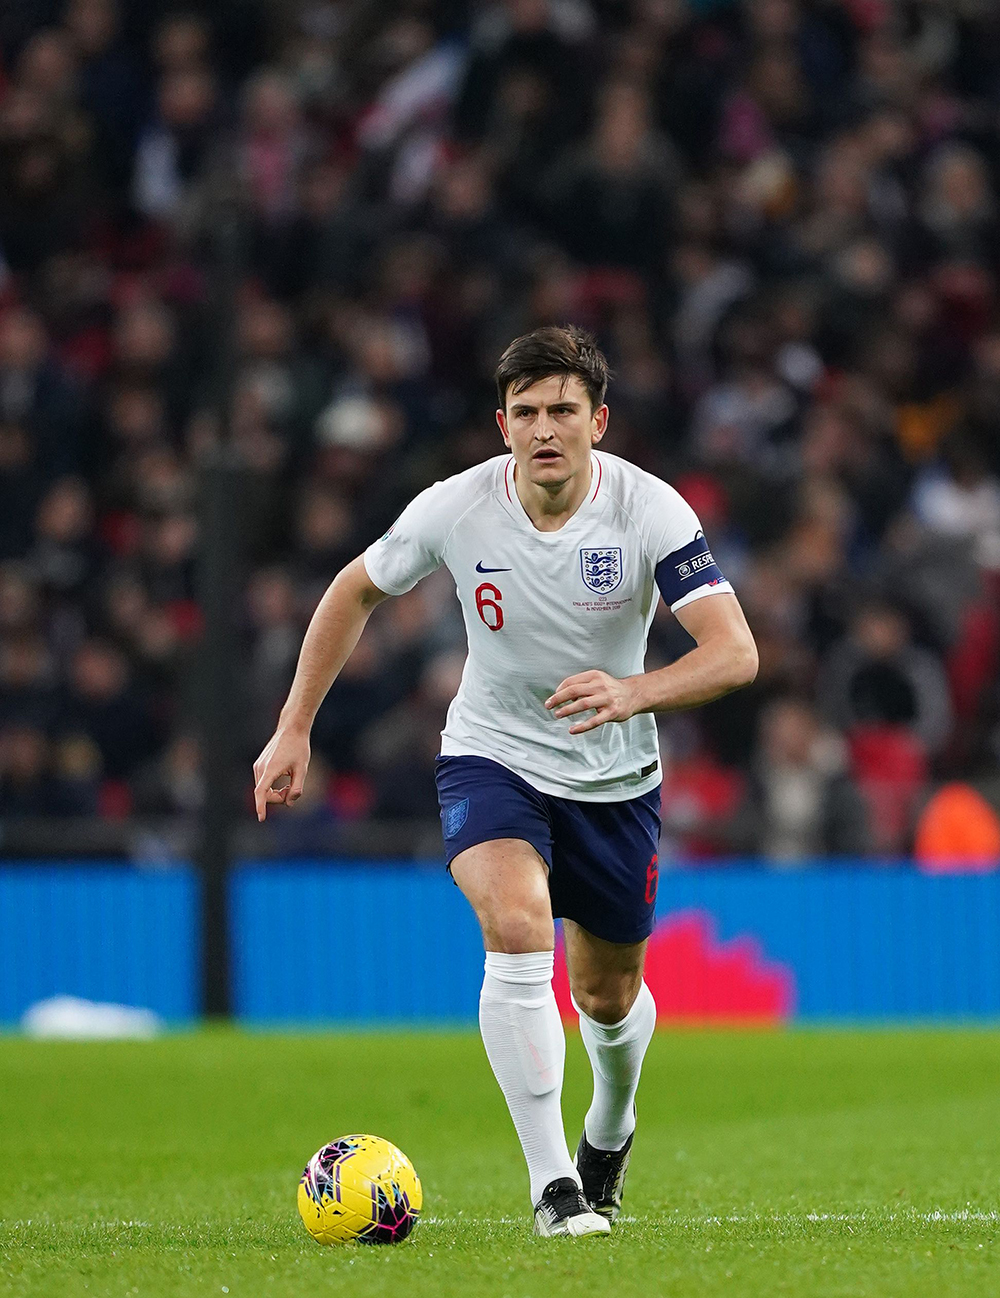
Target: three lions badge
[601, 567]
[455, 817]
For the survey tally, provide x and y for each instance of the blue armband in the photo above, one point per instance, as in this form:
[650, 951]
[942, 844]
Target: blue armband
[687, 570]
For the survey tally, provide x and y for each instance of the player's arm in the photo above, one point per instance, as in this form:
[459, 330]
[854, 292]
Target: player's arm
[724, 659]
[333, 632]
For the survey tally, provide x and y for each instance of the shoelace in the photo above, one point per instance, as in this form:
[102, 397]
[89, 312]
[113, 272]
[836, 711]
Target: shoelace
[565, 1202]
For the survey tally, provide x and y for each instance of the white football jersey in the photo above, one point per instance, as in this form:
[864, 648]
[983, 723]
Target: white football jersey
[541, 606]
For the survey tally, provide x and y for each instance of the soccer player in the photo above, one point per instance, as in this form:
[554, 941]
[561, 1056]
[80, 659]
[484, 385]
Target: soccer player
[549, 771]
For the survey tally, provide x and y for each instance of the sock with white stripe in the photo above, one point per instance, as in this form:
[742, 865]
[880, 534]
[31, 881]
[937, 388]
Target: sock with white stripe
[526, 1046]
[616, 1052]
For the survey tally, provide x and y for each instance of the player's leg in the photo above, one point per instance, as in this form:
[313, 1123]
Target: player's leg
[507, 885]
[603, 884]
[498, 842]
[617, 1020]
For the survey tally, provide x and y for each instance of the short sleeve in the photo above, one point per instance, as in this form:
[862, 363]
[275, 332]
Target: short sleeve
[684, 566]
[413, 547]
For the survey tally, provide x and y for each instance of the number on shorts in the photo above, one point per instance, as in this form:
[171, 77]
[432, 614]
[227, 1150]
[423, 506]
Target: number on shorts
[652, 879]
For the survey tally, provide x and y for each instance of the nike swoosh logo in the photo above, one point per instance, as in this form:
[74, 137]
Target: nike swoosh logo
[480, 568]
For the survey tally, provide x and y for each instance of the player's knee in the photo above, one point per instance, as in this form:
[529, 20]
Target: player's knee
[519, 930]
[606, 999]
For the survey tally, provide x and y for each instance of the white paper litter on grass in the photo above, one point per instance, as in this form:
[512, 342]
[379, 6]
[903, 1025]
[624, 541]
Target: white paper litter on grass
[75, 1019]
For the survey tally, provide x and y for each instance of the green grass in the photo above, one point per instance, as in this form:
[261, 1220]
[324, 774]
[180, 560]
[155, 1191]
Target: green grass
[805, 1163]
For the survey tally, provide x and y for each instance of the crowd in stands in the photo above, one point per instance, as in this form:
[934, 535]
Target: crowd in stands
[780, 218]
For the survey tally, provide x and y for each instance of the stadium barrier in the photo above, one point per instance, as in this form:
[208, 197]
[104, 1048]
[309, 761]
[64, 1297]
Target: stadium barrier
[357, 944]
[101, 932]
[360, 944]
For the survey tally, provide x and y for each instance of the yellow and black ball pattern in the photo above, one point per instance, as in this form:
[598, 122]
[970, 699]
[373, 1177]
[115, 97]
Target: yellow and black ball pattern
[359, 1188]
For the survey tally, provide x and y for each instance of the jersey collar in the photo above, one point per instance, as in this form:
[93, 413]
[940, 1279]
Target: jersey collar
[512, 501]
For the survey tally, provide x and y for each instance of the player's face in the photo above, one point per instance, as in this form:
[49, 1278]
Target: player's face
[550, 429]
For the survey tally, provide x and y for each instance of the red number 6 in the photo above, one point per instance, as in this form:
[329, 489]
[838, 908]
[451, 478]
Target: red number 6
[652, 879]
[482, 603]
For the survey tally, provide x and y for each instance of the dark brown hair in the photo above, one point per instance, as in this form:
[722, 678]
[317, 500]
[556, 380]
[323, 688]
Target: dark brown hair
[555, 349]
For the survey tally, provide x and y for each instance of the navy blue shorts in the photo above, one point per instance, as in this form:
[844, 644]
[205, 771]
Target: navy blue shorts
[601, 855]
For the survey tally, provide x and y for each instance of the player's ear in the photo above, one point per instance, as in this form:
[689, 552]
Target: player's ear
[502, 421]
[600, 425]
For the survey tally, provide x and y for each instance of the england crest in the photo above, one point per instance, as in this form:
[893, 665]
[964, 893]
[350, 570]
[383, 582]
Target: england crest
[602, 568]
[455, 817]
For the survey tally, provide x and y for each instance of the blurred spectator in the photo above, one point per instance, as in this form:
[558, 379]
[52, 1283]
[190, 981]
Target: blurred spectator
[525, 90]
[173, 785]
[76, 776]
[699, 797]
[276, 629]
[959, 497]
[20, 479]
[25, 776]
[36, 395]
[308, 832]
[29, 691]
[64, 555]
[324, 540]
[800, 804]
[400, 750]
[182, 40]
[273, 146]
[20, 600]
[41, 180]
[877, 675]
[277, 384]
[176, 145]
[409, 114]
[360, 695]
[958, 212]
[327, 240]
[104, 706]
[608, 203]
[111, 84]
[39, 779]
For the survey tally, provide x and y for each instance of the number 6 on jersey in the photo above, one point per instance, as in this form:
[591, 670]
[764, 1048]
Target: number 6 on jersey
[483, 603]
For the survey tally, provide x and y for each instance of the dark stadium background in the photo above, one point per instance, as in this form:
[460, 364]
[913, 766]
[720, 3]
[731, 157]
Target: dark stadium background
[257, 262]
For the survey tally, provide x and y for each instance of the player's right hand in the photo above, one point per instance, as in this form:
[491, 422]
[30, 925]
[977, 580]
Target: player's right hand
[285, 757]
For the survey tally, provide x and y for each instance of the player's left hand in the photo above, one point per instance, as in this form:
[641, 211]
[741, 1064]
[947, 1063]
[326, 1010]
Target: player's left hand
[614, 700]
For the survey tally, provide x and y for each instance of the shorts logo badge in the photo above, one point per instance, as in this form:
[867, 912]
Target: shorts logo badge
[601, 568]
[455, 817]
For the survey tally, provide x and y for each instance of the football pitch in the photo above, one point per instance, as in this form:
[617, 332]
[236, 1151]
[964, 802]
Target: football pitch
[813, 1163]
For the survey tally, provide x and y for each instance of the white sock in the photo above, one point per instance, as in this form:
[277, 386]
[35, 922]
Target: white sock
[524, 1041]
[616, 1052]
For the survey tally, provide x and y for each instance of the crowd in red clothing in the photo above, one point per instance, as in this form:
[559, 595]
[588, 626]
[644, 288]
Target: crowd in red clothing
[779, 217]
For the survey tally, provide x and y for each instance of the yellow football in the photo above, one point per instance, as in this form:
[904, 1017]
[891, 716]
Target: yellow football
[359, 1188]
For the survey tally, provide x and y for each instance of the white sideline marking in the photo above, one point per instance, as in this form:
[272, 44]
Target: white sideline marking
[861, 1218]
[871, 1217]
[111, 1222]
